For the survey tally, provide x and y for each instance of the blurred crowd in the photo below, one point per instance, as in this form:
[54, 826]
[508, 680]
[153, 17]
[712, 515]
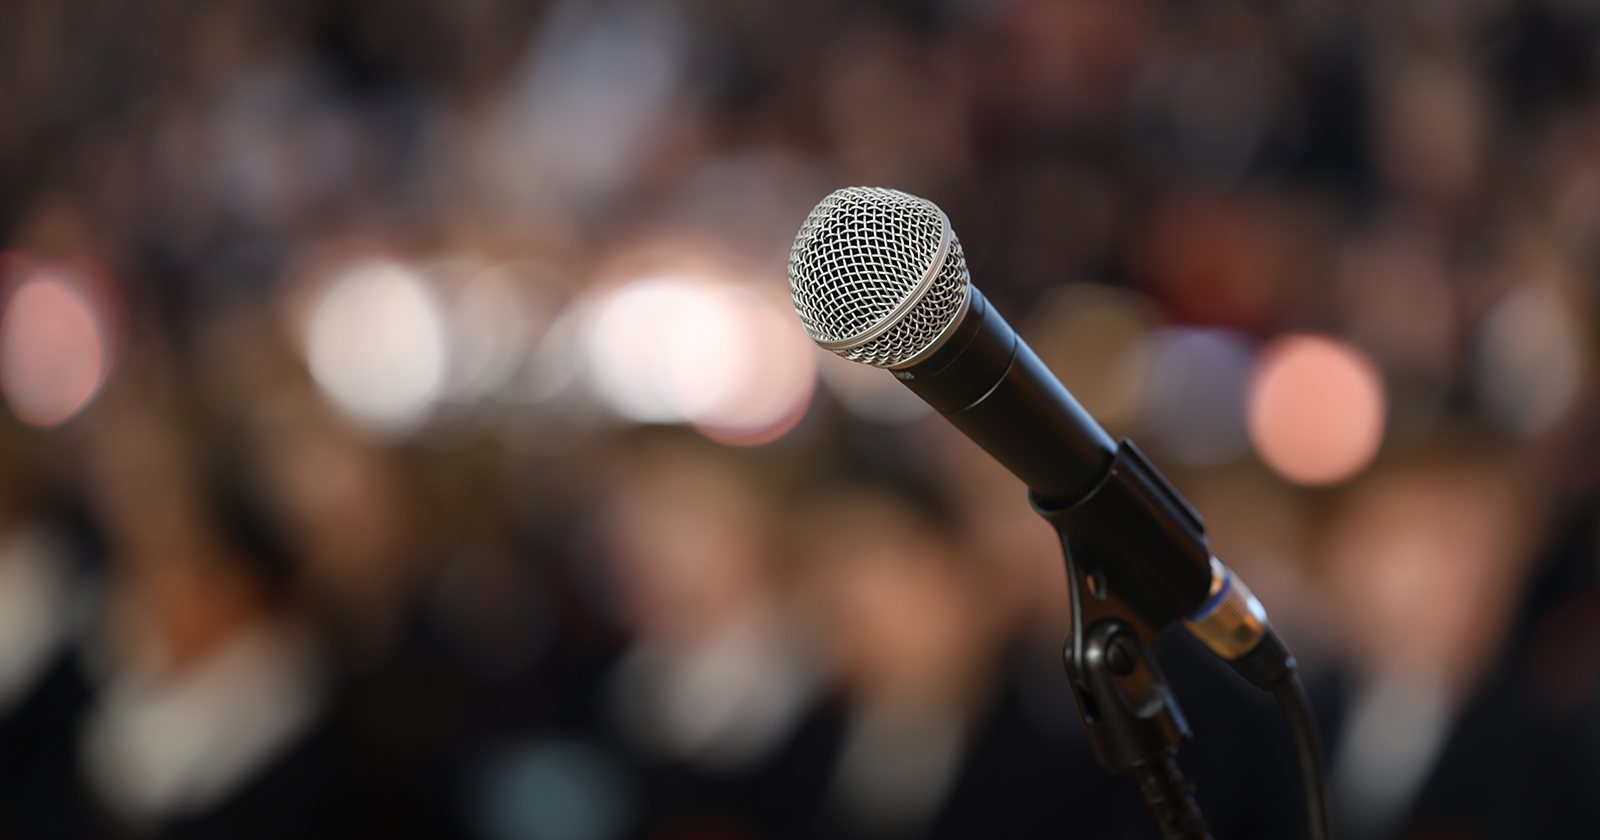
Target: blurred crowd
[408, 433]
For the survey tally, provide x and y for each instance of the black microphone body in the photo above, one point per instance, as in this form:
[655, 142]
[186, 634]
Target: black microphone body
[991, 385]
[1129, 526]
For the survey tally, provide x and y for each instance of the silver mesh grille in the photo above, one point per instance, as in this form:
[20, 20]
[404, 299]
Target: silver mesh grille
[876, 275]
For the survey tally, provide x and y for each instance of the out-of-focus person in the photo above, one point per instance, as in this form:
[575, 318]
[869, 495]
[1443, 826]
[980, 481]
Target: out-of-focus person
[193, 685]
[197, 703]
[717, 698]
[912, 643]
[1426, 559]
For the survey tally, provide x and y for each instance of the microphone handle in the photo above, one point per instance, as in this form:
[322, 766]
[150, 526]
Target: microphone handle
[989, 383]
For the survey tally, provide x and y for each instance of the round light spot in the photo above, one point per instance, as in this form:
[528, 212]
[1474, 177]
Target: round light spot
[674, 350]
[1316, 409]
[743, 373]
[376, 346]
[630, 346]
[52, 351]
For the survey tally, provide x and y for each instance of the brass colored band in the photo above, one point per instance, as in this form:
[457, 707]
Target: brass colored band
[1235, 624]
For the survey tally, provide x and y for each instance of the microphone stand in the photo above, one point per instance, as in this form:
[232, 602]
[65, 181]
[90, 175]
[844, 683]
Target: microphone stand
[1131, 716]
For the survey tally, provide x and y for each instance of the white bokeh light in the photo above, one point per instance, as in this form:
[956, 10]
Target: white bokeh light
[742, 372]
[671, 349]
[628, 347]
[376, 345]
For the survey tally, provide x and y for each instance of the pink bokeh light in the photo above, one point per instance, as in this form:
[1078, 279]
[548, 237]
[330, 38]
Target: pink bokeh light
[1316, 409]
[53, 347]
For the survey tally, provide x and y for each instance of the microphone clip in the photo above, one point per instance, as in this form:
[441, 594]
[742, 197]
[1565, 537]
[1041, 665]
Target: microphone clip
[1137, 561]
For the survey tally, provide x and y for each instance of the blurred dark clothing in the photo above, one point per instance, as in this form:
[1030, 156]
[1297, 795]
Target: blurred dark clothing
[325, 784]
[1031, 777]
[1028, 776]
[1029, 773]
[1241, 758]
[39, 793]
[1523, 759]
[778, 798]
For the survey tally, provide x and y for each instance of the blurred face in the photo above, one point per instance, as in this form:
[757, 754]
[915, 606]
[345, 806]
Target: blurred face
[888, 109]
[136, 477]
[1431, 130]
[178, 609]
[902, 617]
[1019, 553]
[1023, 554]
[690, 547]
[341, 503]
[1072, 62]
[1426, 566]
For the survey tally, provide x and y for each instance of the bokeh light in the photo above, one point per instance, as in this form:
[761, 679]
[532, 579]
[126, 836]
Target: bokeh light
[672, 349]
[629, 345]
[742, 372]
[1316, 409]
[53, 350]
[376, 346]
[1194, 402]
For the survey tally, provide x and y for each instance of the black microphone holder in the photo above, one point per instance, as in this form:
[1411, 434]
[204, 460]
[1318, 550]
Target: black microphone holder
[1131, 523]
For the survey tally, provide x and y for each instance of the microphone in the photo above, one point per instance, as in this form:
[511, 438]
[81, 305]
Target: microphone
[878, 277]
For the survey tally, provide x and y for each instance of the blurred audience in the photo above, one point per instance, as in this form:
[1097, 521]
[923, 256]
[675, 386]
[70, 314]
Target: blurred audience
[717, 695]
[407, 431]
[912, 638]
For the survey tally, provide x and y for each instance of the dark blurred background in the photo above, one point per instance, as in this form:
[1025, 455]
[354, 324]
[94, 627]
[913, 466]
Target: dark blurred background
[409, 434]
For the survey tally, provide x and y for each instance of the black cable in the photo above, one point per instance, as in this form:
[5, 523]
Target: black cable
[1308, 748]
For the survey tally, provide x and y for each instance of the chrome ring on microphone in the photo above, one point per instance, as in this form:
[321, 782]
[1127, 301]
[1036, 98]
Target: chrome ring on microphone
[1231, 621]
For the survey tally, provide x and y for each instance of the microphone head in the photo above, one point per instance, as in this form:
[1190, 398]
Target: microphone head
[878, 277]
